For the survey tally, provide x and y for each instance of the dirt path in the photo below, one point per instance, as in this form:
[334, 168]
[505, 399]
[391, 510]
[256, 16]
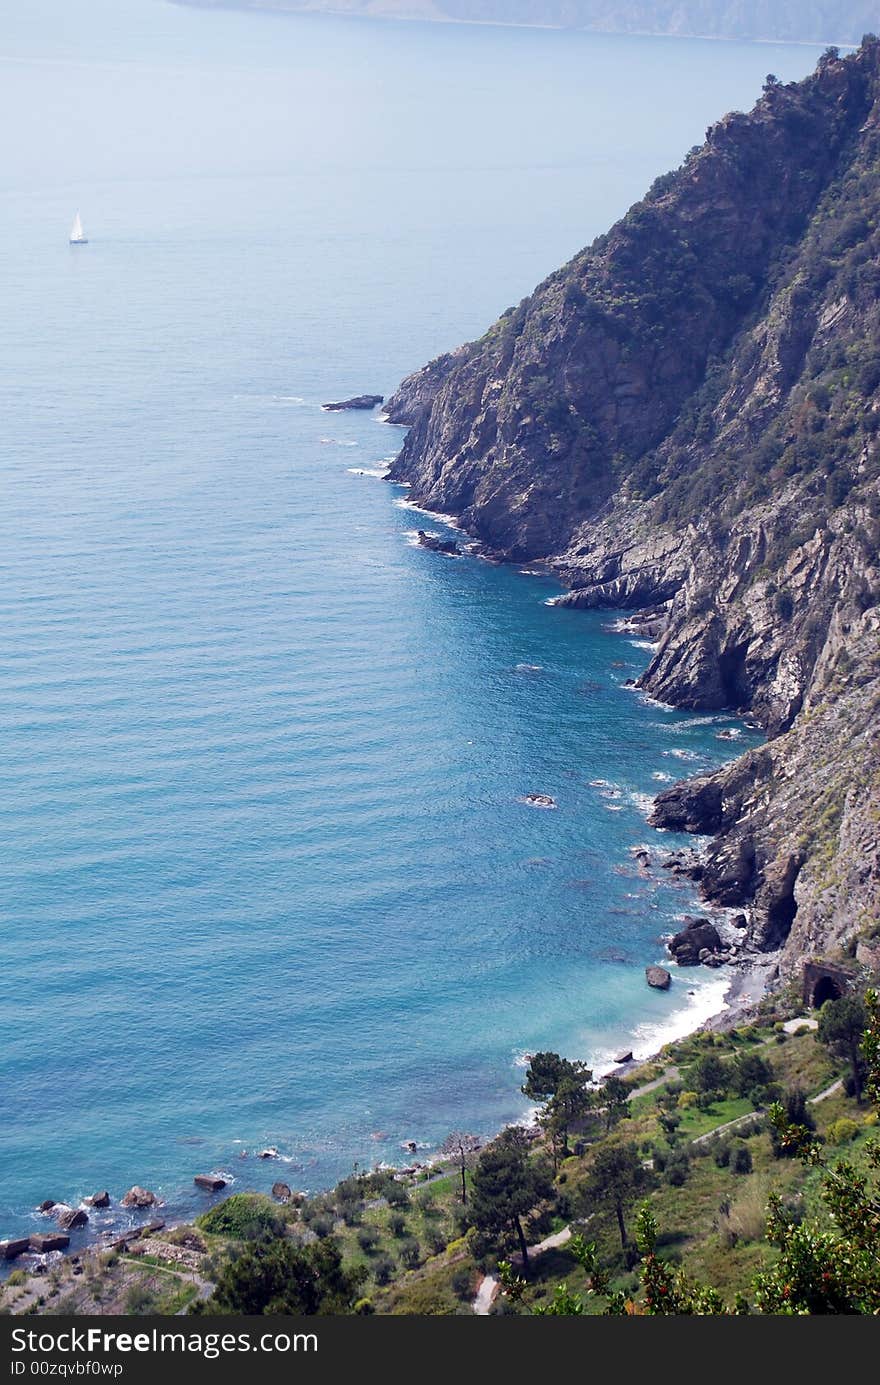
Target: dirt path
[486, 1295]
[669, 1075]
[489, 1285]
[829, 1091]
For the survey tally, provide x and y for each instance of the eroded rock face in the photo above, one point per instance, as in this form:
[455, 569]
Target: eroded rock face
[663, 422]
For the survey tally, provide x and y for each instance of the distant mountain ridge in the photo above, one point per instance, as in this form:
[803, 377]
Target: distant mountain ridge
[794, 21]
[686, 418]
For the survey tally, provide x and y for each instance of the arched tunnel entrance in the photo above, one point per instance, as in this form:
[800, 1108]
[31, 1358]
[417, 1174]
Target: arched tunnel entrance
[823, 981]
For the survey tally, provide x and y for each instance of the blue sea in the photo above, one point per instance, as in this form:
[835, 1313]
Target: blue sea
[265, 874]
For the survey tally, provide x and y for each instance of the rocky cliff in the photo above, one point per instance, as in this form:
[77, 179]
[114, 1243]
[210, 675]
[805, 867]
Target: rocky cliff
[686, 417]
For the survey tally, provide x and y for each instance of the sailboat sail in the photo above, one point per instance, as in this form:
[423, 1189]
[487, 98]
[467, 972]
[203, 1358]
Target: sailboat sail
[77, 235]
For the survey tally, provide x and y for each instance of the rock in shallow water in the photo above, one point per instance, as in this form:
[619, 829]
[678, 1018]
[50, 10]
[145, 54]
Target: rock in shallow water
[360, 401]
[43, 1244]
[72, 1218]
[139, 1197]
[699, 936]
[658, 977]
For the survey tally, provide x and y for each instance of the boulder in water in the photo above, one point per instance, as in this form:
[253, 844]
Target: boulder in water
[139, 1197]
[72, 1218]
[359, 401]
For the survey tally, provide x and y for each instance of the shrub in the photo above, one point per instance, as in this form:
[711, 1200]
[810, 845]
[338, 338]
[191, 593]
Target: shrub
[842, 1131]
[798, 1113]
[411, 1253]
[687, 1099]
[243, 1217]
[722, 1154]
[368, 1239]
[463, 1283]
[710, 1074]
[322, 1225]
[750, 1072]
[742, 1159]
[678, 1168]
[383, 1269]
[397, 1224]
[139, 1300]
[396, 1195]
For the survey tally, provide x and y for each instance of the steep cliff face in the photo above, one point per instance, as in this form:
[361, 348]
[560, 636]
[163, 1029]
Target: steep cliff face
[686, 417]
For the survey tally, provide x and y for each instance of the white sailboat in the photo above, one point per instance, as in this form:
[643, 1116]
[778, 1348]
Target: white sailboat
[77, 234]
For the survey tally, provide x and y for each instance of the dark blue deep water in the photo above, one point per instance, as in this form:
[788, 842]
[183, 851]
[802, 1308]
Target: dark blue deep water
[264, 874]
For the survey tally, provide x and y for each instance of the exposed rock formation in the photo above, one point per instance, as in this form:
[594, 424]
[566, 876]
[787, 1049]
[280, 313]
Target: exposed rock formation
[139, 1197]
[685, 419]
[360, 401]
[72, 1218]
[436, 544]
[42, 1244]
[658, 977]
[11, 1249]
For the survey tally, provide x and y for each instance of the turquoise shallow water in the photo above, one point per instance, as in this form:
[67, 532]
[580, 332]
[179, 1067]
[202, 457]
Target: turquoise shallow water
[264, 873]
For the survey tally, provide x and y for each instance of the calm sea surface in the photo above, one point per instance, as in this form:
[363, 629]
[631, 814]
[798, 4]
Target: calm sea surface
[264, 875]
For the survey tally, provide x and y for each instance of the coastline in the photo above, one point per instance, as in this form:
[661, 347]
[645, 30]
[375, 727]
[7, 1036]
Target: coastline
[281, 9]
[728, 1000]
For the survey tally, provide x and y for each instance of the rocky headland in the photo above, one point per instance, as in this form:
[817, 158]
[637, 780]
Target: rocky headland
[682, 423]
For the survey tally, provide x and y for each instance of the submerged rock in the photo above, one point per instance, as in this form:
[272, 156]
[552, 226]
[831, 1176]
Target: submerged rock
[539, 800]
